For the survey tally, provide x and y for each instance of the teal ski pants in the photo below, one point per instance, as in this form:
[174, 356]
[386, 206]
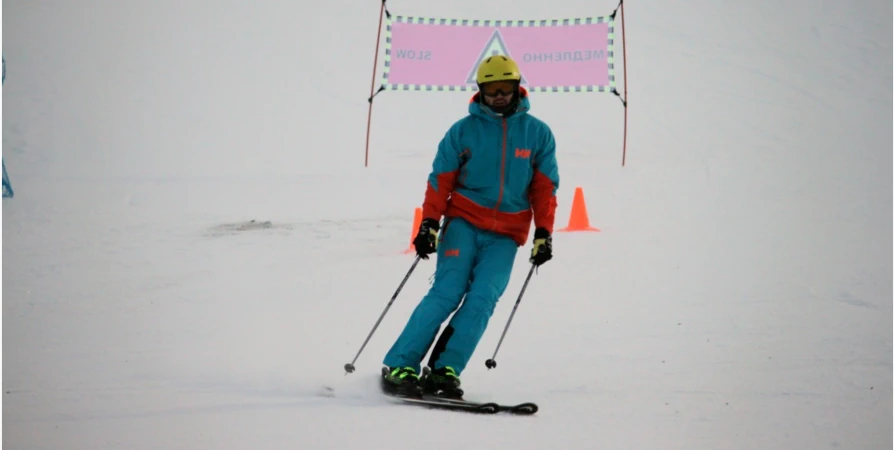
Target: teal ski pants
[473, 267]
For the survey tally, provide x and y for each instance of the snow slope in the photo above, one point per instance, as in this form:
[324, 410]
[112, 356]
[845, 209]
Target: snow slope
[738, 295]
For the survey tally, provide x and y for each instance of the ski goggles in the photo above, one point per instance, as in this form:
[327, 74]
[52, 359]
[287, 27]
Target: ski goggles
[494, 88]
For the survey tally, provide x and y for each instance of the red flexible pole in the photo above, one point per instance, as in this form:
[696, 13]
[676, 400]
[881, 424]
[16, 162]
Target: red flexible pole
[372, 84]
[626, 101]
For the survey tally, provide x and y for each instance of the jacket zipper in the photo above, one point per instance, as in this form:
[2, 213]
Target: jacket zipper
[502, 176]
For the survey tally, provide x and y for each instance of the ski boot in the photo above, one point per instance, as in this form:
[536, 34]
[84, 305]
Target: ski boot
[443, 382]
[401, 382]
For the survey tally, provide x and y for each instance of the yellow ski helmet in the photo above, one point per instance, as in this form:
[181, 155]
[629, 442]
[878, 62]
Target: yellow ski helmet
[498, 68]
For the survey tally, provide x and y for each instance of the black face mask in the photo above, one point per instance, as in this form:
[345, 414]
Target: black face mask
[507, 109]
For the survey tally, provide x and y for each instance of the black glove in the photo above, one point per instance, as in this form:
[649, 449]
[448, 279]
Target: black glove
[543, 247]
[426, 241]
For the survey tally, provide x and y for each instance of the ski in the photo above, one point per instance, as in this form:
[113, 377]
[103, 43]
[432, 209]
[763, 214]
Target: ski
[524, 409]
[437, 402]
[441, 403]
[446, 403]
[420, 398]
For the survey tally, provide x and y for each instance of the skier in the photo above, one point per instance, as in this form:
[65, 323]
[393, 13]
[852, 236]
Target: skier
[495, 170]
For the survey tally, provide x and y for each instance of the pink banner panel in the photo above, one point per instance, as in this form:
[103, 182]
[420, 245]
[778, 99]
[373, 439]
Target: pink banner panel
[553, 55]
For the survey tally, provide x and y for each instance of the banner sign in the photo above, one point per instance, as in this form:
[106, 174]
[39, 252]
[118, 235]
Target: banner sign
[566, 55]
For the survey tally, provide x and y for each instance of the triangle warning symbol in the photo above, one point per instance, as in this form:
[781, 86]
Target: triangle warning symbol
[495, 46]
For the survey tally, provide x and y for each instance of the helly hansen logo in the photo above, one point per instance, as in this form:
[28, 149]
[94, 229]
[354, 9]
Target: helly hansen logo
[522, 153]
[451, 252]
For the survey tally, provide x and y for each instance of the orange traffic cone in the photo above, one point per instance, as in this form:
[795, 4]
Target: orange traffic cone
[417, 221]
[579, 220]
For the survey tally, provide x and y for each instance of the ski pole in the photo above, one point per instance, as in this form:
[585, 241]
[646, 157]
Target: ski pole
[492, 363]
[349, 367]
